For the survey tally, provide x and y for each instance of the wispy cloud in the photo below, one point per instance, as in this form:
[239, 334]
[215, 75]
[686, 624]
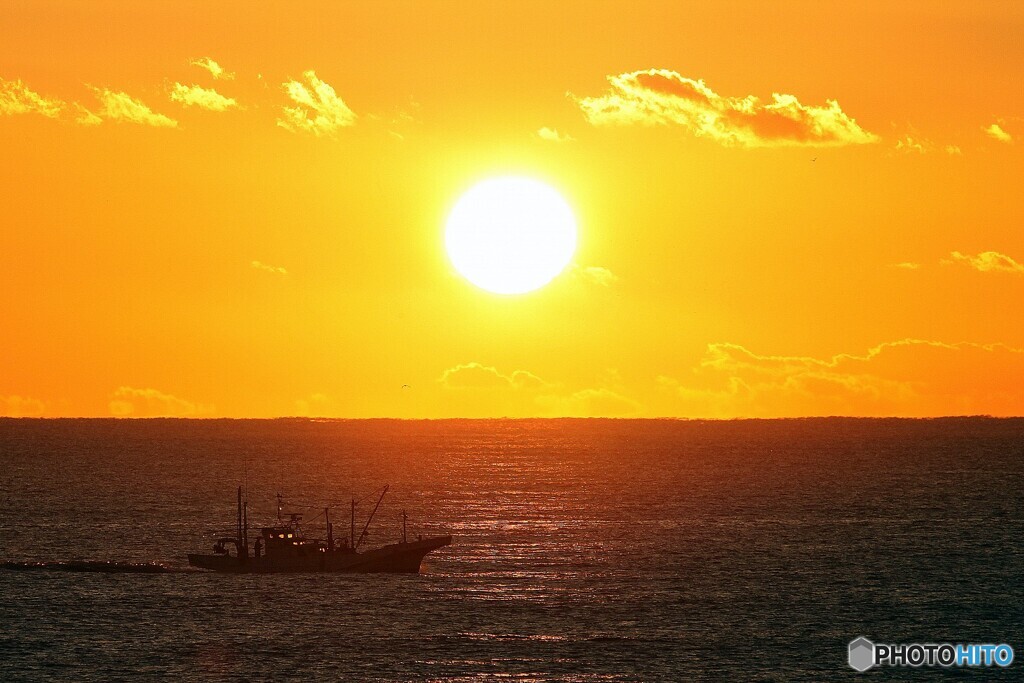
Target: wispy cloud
[911, 144]
[277, 270]
[601, 402]
[132, 402]
[596, 275]
[987, 262]
[120, 106]
[86, 117]
[314, 405]
[318, 109]
[907, 265]
[996, 132]
[21, 406]
[663, 97]
[478, 390]
[552, 135]
[478, 376]
[911, 377]
[912, 141]
[17, 98]
[204, 98]
[215, 69]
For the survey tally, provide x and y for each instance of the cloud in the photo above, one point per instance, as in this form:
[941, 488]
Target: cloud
[996, 131]
[987, 262]
[204, 98]
[552, 135]
[258, 265]
[596, 275]
[911, 377]
[907, 265]
[119, 106]
[663, 97]
[21, 406]
[215, 69]
[601, 402]
[477, 376]
[131, 402]
[398, 123]
[318, 109]
[16, 98]
[86, 117]
[910, 144]
[477, 390]
[314, 405]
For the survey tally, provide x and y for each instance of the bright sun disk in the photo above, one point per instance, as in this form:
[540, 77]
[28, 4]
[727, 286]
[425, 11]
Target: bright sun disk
[510, 235]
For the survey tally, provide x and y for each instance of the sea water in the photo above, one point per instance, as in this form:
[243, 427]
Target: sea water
[619, 550]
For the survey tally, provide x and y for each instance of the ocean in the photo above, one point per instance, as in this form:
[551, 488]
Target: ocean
[584, 550]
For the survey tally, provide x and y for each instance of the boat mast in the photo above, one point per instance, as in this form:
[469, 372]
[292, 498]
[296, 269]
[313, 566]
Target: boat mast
[245, 528]
[370, 519]
[352, 532]
[330, 530]
[239, 536]
[405, 517]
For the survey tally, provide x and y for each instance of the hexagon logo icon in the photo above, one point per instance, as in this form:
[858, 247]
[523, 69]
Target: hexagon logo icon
[862, 654]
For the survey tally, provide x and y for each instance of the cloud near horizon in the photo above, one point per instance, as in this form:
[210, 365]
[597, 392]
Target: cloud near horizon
[17, 98]
[318, 109]
[602, 402]
[987, 262]
[314, 405]
[478, 390]
[204, 98]
[909, 378]
[120, 106]
[664, 97]
[475, 375]
[21, 406]
[132, 402]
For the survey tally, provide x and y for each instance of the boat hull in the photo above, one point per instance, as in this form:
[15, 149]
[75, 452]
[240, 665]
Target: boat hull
[397, 558]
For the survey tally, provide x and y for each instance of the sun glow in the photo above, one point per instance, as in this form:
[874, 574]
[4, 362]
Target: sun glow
[510, 235]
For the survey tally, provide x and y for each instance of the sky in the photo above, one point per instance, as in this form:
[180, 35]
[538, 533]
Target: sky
[238, 209]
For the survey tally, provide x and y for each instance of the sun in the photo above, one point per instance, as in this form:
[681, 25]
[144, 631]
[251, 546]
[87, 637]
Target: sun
[510, 235]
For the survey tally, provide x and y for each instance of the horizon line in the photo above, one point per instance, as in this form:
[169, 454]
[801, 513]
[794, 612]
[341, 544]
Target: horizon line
[297, 418]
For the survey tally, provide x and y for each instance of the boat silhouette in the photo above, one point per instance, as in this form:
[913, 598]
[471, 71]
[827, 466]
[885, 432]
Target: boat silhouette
[283, 548]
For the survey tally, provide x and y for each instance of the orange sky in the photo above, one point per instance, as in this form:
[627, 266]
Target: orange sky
[175, 243]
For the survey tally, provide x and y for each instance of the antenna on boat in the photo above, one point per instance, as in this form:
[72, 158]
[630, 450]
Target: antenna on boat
[330, 530]
[279, 506]
[405, 517]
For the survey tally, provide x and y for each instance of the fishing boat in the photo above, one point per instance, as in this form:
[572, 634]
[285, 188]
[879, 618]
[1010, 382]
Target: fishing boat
[282, 548]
